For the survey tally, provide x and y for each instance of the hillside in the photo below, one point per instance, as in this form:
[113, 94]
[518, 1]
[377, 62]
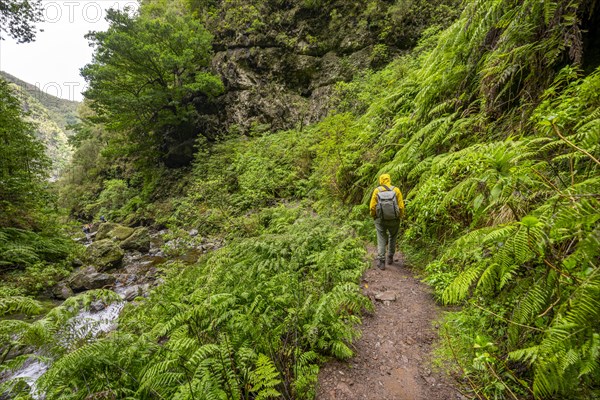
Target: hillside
[63, 112]
[51, 116]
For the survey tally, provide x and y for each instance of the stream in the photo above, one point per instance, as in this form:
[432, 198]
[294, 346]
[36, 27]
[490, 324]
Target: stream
[134, 278]
[85, 324]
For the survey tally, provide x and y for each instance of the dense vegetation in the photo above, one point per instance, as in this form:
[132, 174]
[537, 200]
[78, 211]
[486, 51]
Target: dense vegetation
[63, 112]
[33, 251]
[491, 126]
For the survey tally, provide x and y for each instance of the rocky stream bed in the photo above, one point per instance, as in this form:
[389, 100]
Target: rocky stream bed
[125, 260]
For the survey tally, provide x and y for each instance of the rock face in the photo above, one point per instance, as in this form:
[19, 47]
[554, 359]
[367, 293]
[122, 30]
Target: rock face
[281, 60]
[105, 254]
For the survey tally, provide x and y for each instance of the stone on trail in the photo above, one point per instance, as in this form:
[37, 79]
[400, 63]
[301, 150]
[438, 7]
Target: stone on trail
[386, 296]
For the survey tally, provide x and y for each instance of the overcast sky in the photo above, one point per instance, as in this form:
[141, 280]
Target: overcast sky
[53, 61]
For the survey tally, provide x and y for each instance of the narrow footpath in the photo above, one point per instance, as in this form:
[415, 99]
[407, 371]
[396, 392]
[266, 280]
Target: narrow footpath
[393, 357]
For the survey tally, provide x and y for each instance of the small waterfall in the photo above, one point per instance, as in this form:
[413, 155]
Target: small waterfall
[30, 373]
[88, 324]
[85, 325]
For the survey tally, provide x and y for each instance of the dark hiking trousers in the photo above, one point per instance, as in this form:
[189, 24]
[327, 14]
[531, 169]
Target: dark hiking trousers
[387, 233]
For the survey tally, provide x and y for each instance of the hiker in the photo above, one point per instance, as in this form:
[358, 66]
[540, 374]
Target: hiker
[86, 229]
[387, 207]
[102, 219]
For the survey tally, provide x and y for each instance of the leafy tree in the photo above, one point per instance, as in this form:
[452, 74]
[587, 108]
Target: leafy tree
[24, 165]
[147, 76]
[17, 19]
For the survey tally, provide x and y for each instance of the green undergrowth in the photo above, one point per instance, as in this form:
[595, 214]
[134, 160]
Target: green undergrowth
[497, 156]
[490, 128]
[251, 320]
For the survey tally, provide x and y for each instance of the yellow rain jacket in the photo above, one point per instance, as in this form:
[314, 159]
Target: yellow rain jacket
[385, 180]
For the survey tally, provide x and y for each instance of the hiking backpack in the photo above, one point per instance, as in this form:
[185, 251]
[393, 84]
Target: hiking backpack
[387, 204]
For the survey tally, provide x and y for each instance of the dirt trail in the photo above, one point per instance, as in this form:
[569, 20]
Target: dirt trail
[392, 358]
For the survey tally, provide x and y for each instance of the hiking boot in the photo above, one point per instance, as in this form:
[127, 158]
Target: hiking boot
[390, 259]
[381, 264]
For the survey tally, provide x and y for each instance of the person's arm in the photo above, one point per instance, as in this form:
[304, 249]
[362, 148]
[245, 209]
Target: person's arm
[400, 201]
[373, 205]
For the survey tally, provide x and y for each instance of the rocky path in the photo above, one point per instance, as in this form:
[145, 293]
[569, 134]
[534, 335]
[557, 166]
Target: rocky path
[392, 358]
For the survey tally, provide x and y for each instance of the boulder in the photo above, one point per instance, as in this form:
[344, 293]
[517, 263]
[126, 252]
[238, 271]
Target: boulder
[88, 279]
[76, 263]
[110, 230]
[104, 230]
[105, 254]
[139, 240]
[121, 232]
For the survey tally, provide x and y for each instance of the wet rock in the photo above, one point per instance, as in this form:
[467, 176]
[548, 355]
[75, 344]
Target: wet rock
[97, 305]
[139, 240]
[105, 254]
[62, 291]
[131, 293]
[88, 279]
[151, 274]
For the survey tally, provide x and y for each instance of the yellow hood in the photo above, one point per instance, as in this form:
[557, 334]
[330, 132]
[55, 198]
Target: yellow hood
[385, 180]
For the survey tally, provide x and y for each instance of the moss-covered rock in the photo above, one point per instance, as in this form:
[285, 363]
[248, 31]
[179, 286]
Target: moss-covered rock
[113, 231]
[139, 240]
[104, 230]
[105, 254]
[121, 232]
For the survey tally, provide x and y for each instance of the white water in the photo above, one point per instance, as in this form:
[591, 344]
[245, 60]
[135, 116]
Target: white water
[30, 373]
[85, 325]
[88, 324]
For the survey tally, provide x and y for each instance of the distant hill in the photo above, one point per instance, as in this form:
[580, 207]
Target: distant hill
[63, 112]
[52, 116]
